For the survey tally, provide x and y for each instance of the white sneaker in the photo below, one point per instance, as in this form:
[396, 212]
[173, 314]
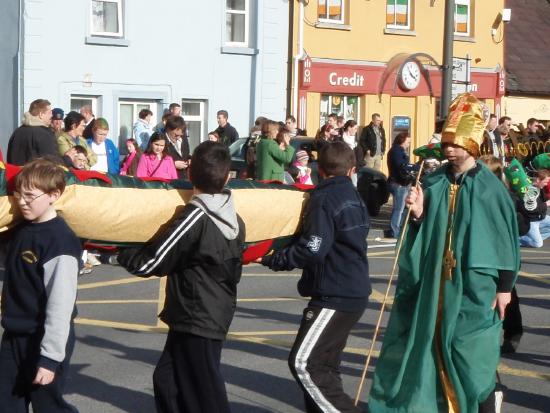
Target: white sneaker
[92, 260]
[113, 260]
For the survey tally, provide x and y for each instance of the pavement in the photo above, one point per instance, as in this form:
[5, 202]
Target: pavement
[119, 338]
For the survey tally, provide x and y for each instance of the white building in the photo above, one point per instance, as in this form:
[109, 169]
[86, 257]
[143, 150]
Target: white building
[124, 55]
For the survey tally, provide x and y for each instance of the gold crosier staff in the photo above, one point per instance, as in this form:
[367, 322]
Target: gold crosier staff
[375, 335]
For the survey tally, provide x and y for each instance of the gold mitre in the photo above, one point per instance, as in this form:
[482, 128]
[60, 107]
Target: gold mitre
[466, 123]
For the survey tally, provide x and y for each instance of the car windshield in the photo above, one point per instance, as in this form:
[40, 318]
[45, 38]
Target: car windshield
[235, 149]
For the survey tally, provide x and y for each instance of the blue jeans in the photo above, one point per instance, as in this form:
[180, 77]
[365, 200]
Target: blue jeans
[399, 193]
[538, 232]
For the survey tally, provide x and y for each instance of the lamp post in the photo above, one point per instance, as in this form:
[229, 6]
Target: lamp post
[447, 67]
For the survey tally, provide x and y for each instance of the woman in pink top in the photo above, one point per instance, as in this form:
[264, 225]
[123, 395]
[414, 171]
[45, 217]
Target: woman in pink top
[130, 162]
[155, 162]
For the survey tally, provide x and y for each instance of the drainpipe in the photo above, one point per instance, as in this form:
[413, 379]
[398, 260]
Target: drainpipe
[19, 103]
[297, 59]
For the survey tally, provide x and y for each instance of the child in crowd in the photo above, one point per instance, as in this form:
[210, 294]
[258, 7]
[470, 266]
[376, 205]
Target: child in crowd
[303, 173]
[76, 157]
[332, 250]
[38, 296]
[214, 136]
[108, 158]
[130, 161]
[201, 255]
[155, 162]
[539, 227]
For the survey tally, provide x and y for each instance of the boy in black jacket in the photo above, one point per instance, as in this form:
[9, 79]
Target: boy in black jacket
[38, 296]
[332, 250]
[201, 255]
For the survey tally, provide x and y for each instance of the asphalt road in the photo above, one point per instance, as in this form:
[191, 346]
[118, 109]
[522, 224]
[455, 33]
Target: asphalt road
[119, 340]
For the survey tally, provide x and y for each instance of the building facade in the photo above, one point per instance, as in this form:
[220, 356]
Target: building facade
[355, 58]
[527, 51]
[121, 56]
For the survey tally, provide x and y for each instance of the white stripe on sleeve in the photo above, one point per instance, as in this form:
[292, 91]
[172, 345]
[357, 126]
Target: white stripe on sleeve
[165, 247]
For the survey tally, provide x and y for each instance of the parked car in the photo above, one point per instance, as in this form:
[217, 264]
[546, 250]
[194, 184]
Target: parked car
[371, 184]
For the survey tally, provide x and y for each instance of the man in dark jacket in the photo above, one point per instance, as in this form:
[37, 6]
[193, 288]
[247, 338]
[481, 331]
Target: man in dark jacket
[228, 134]
[33, 138]
[332, 250]
[373, 142]
[178, 144]
[89, 118]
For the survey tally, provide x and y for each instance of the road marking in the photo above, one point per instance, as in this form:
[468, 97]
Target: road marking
[252, 337]
[535, 295]
[379, 297]
[288, 344]
[504, 369]
[538, 277]
[114, 282]
[120, 325]
[116, 302]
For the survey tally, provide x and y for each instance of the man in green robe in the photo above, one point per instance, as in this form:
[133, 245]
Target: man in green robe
[458, 263]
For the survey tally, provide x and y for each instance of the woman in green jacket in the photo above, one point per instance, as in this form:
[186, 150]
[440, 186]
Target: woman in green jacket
[272, 156]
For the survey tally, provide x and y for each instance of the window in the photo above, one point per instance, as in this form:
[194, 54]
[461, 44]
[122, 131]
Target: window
[331, 11]
[128, 111]
[236, 22]
[193, 111]
[398, 14]
[342, 105]
[462, 17]
[106, 18]
[77, 101]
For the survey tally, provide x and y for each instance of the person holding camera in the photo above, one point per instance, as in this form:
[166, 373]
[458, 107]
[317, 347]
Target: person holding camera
[400, 179]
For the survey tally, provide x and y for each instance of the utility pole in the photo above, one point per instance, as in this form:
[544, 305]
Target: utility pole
[447, 67]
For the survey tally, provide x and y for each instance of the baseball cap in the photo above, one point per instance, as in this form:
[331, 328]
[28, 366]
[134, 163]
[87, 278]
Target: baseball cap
[57, 113]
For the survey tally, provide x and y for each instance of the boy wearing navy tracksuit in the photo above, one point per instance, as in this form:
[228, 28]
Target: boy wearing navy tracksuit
[332, 250]
[38, 297]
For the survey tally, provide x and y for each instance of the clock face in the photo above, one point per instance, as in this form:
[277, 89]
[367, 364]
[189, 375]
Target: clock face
[410, 76]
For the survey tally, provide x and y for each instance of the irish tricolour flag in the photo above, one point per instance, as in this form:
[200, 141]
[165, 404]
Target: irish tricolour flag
[397, 12]
[461, 18]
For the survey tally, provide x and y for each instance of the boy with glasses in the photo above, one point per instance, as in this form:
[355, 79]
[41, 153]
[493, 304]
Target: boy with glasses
[38, 296]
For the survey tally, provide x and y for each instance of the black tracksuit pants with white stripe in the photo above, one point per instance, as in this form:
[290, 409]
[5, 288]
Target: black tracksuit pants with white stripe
[315, 359]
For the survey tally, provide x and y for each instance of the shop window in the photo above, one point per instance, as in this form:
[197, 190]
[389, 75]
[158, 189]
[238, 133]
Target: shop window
[398, 14]
[331, 11]
[462, 18]
[236, 22]
[106, 18]
[77, 101]
[194, 113]
[128, 111]
[341, 105]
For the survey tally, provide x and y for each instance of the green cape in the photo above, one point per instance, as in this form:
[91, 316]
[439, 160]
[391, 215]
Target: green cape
[485, 240]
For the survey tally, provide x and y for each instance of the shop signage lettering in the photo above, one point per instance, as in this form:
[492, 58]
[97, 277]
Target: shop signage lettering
[353, 80]
[306, 80]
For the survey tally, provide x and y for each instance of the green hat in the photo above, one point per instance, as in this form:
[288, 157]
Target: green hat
[542, 161]
[516, 176]
[432, 150]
